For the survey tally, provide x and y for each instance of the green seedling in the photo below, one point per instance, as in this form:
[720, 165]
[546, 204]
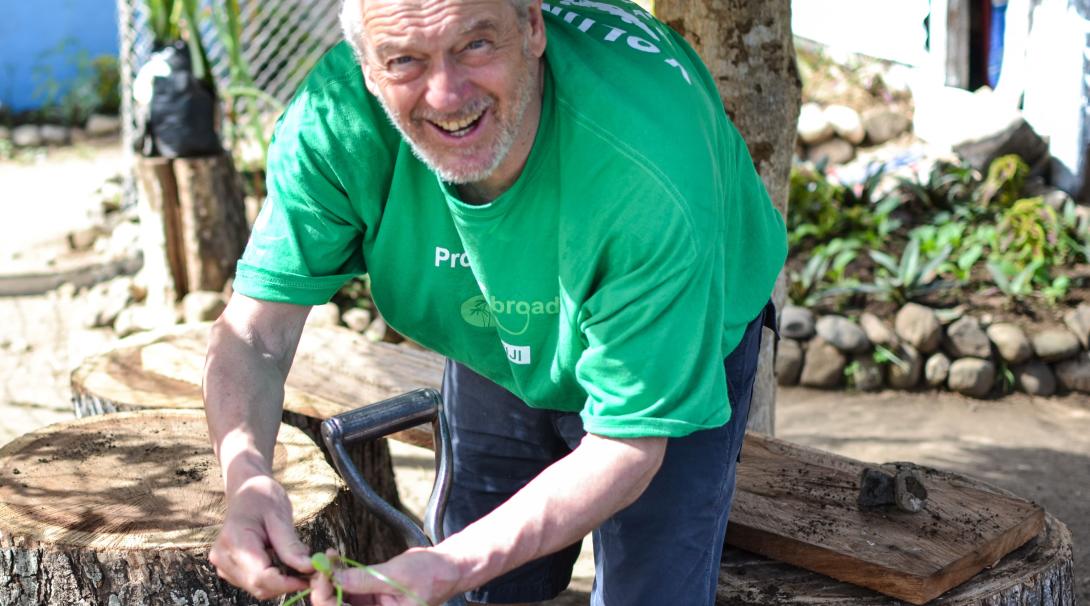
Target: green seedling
[327, 565]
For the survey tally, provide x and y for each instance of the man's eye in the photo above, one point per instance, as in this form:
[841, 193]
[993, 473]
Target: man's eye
[401, 61]
[477, 44]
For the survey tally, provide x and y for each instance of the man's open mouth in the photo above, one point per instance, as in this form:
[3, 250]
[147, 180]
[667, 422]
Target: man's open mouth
[460, 127]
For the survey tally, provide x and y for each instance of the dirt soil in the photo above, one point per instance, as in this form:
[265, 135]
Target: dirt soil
[1037, 448]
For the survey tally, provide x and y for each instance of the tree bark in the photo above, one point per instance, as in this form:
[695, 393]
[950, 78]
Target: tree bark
[193, 224]
[123, 509]
[748, 48]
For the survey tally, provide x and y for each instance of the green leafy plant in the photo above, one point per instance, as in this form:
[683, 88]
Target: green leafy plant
[1005, 180]
[884, 356]
[909, 277]
[820, 210]
[947, 186]
[824, 273]
[327, 565]
[168, 20]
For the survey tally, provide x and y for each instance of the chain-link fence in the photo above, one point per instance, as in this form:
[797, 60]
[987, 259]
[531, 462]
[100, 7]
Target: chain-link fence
[281, 41]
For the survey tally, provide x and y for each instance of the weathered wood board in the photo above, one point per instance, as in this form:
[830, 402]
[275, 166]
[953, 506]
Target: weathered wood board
[798, 505]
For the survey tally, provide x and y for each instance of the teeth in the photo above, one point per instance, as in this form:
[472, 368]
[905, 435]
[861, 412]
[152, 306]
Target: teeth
[453, 126]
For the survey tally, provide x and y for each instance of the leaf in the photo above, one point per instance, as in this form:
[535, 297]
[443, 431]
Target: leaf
[999, 277]
[910, 262]
[927, 274]
[884, 260]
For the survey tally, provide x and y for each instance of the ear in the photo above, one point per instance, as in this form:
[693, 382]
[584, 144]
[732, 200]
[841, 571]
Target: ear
[536, 22]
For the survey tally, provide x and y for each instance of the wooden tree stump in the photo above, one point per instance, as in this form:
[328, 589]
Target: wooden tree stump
[123, 509]
[335, 370]
[193, 223]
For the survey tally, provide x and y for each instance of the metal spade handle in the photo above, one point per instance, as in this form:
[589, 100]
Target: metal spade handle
[379, 420]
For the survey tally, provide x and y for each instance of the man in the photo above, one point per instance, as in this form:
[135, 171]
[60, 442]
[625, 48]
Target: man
[565, 212]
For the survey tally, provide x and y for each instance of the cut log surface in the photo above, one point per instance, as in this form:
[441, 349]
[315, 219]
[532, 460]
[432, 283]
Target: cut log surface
[123, 509]
[798, 505]
[335, 370]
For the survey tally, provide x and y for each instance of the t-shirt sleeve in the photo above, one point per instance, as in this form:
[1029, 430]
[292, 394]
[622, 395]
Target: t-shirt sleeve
[652, 365]
[307, 239]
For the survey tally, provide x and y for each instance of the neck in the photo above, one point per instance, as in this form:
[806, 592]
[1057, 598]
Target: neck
[505, 175]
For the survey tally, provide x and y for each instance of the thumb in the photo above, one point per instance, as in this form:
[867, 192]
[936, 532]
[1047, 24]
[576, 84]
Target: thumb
[285, 542]
[364, 581]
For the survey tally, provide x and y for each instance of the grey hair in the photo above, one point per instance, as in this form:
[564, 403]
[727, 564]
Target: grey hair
[352, 22]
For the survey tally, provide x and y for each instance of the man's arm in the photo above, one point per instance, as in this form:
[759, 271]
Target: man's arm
[250, 351]
[560, 506]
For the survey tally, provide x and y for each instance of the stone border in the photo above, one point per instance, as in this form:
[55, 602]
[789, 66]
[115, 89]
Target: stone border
[968, 355]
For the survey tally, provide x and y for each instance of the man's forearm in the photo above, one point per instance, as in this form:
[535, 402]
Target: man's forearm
[244, 394]
[560, 506]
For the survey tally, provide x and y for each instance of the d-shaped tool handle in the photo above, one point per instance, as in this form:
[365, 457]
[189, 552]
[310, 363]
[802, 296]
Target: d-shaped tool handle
[378, 420]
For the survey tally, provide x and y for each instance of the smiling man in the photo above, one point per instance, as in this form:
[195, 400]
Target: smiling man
[550, 195]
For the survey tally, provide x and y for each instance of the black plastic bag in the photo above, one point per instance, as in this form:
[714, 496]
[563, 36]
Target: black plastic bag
[179, 121]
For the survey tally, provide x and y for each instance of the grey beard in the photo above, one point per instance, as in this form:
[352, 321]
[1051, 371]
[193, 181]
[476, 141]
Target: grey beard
[508, 132]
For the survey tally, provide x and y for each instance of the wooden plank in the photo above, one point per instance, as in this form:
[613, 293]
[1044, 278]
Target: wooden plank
[798, 505]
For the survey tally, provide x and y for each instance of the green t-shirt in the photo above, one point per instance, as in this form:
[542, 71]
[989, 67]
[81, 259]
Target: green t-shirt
[612, 278]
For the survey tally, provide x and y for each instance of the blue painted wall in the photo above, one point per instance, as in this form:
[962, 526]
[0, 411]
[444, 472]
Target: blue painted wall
[41, 42]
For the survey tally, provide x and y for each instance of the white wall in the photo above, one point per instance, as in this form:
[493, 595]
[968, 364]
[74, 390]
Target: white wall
[888, 29]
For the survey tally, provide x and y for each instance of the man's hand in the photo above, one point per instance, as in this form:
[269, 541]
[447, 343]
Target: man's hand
[257, 526]
[424, 577]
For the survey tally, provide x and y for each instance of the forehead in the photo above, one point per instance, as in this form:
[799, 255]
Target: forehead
[408, 21]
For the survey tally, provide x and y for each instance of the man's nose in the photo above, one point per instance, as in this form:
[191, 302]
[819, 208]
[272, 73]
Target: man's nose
[446, 86]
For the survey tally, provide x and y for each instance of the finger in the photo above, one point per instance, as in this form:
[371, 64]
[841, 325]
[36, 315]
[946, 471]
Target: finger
[255, 572]
[358, 581]
[321, 591]
[287, 545]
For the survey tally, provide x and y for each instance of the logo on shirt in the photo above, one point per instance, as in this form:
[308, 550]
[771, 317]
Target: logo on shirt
[486, 312]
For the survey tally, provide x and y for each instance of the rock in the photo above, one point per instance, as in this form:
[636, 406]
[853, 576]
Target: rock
[77, 135]
[972, 377]
[357, 318]
[813, 127]
[796, 322]
[1078, 322]
[324, 315]
[101, 125]
[203, 306]
[936, 370]
[105, 302]
[789, 357]
[1035, 378]
[1011, 342]
[965, 339]
[846, 123]
[919, 327]
[866, 374]
[846, 335]
[1011, 137]
[124, 240]
[833, 152]
[877, 330]
[27, 135]
[1055, 344]
[882, 124]
[139, 318]
[1074, 373]
[824, 365]
[54, 134]
[380, 331]
[82, 239]
[904, 373]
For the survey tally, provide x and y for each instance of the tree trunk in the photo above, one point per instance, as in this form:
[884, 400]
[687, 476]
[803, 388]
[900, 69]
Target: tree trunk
[335, 370]
[749, 50]
[123, 508]
[193, 224]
